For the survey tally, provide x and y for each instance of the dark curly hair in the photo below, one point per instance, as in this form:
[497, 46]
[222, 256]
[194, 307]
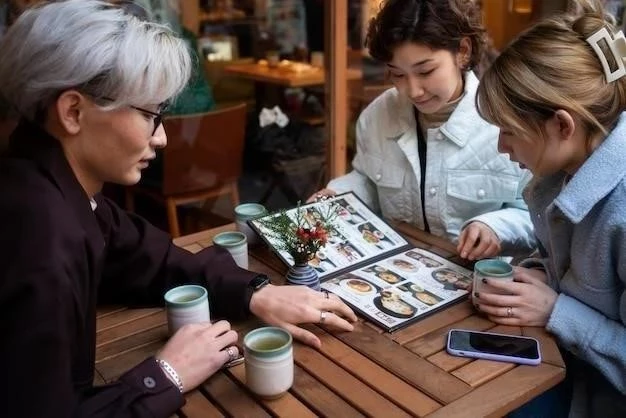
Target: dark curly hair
[438, 24]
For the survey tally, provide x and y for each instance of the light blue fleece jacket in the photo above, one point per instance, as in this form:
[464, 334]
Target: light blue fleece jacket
[582, 228]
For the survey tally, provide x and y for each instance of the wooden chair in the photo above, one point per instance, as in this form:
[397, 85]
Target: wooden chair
[203, 160]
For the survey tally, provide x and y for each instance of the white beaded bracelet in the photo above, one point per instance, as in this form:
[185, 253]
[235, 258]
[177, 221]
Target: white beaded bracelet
[169, 370]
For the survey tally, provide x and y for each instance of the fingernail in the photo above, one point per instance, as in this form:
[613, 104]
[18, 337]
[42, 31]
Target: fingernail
[476, 294]
[464, 254]
[484, 280]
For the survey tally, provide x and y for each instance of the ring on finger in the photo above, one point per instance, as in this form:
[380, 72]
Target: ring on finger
[232, 354]
[509, 311]
[323, 315]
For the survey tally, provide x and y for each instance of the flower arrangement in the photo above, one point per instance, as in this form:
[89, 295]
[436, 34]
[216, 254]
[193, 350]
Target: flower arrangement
[303, 235]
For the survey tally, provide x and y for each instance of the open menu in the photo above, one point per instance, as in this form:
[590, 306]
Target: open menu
[374, 269]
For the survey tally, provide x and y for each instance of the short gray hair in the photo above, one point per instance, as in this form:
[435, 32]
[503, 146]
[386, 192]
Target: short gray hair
[94, 47]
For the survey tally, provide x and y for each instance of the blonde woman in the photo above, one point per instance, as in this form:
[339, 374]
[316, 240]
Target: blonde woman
[558, 94]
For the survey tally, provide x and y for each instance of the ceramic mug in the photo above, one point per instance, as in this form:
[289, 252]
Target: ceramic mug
[491, 269]
[268, 354]
[188, 304]
[237, 245]
[248, 212]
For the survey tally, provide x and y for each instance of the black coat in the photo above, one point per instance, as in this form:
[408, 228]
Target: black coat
[58, 259]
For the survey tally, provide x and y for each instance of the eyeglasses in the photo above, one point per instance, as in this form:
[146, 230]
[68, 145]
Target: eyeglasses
[158, 116]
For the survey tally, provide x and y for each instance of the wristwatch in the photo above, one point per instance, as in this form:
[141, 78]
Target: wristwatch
[259, 282]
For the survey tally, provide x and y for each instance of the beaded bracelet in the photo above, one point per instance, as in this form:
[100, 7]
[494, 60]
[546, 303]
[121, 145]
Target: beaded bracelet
[169, 370]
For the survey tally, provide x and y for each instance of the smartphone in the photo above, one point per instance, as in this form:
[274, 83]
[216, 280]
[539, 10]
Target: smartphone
[491, 346]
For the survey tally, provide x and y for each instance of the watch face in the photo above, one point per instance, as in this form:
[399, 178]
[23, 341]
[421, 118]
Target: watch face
[259, 281]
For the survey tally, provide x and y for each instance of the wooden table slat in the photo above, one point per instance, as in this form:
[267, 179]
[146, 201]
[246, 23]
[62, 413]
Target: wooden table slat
[269, 260]
[97, 379]
[446, 362]
[439, 244]
[113, 348]
[203, 236]
[193, 248]
[286, 405]
[118, 318]
[321, 399]
[232, 398]
[108, 310]
[198, 406]
[419, 372]
[128, 328]
[115, 366]
[503, 394]
[360, 395]
[480, 371]
[436, 340]
[454, 313]
[403, 394]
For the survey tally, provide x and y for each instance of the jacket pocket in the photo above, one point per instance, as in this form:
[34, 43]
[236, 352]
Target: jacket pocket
[471, 193]
[482, 186]
[384, 174]
[388, 177]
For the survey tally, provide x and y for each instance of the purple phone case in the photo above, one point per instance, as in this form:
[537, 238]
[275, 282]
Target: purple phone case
[489, 356]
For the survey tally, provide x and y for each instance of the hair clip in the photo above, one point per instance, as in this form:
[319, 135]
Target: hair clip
[617, 45]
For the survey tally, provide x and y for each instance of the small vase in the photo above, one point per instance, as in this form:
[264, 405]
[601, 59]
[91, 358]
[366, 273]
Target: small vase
[304, 275]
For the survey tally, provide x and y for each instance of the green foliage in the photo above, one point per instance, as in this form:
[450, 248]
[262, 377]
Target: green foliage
[303, 236]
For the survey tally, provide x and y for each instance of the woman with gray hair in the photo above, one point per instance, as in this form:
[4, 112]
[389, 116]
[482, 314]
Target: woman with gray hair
[90, 83]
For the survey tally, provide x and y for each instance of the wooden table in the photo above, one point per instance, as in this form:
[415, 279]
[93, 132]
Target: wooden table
[363, 373]
[283, 76]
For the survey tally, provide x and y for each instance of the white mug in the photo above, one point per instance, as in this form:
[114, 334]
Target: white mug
[187, 304]
[236, 244]
[247, 212]
[268, 354]
[491, 269]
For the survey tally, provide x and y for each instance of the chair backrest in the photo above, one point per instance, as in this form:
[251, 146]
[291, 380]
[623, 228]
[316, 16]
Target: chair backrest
[204, 150]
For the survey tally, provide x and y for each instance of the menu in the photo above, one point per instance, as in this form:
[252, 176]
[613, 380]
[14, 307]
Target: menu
[374, 269]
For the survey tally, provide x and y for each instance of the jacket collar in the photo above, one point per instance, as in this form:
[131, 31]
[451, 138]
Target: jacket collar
[597, 177]
[459, 128]
[31, 142]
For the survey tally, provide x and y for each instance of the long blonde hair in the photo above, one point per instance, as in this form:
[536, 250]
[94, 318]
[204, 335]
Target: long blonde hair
[551, 67]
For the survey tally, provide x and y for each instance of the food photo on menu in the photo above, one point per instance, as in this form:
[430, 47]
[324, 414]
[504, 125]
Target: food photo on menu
[373, 236]
[404, 265]
[423, 259]
[321, 263]
[355, 284]
[421, 294]
[451, 279]
[383, 274]
[348, 213]
[373, 268]
[407, 288]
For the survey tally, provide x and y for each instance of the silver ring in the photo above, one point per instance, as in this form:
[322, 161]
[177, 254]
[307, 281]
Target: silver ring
[323, 316]
[509, 311]
[232, 355]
